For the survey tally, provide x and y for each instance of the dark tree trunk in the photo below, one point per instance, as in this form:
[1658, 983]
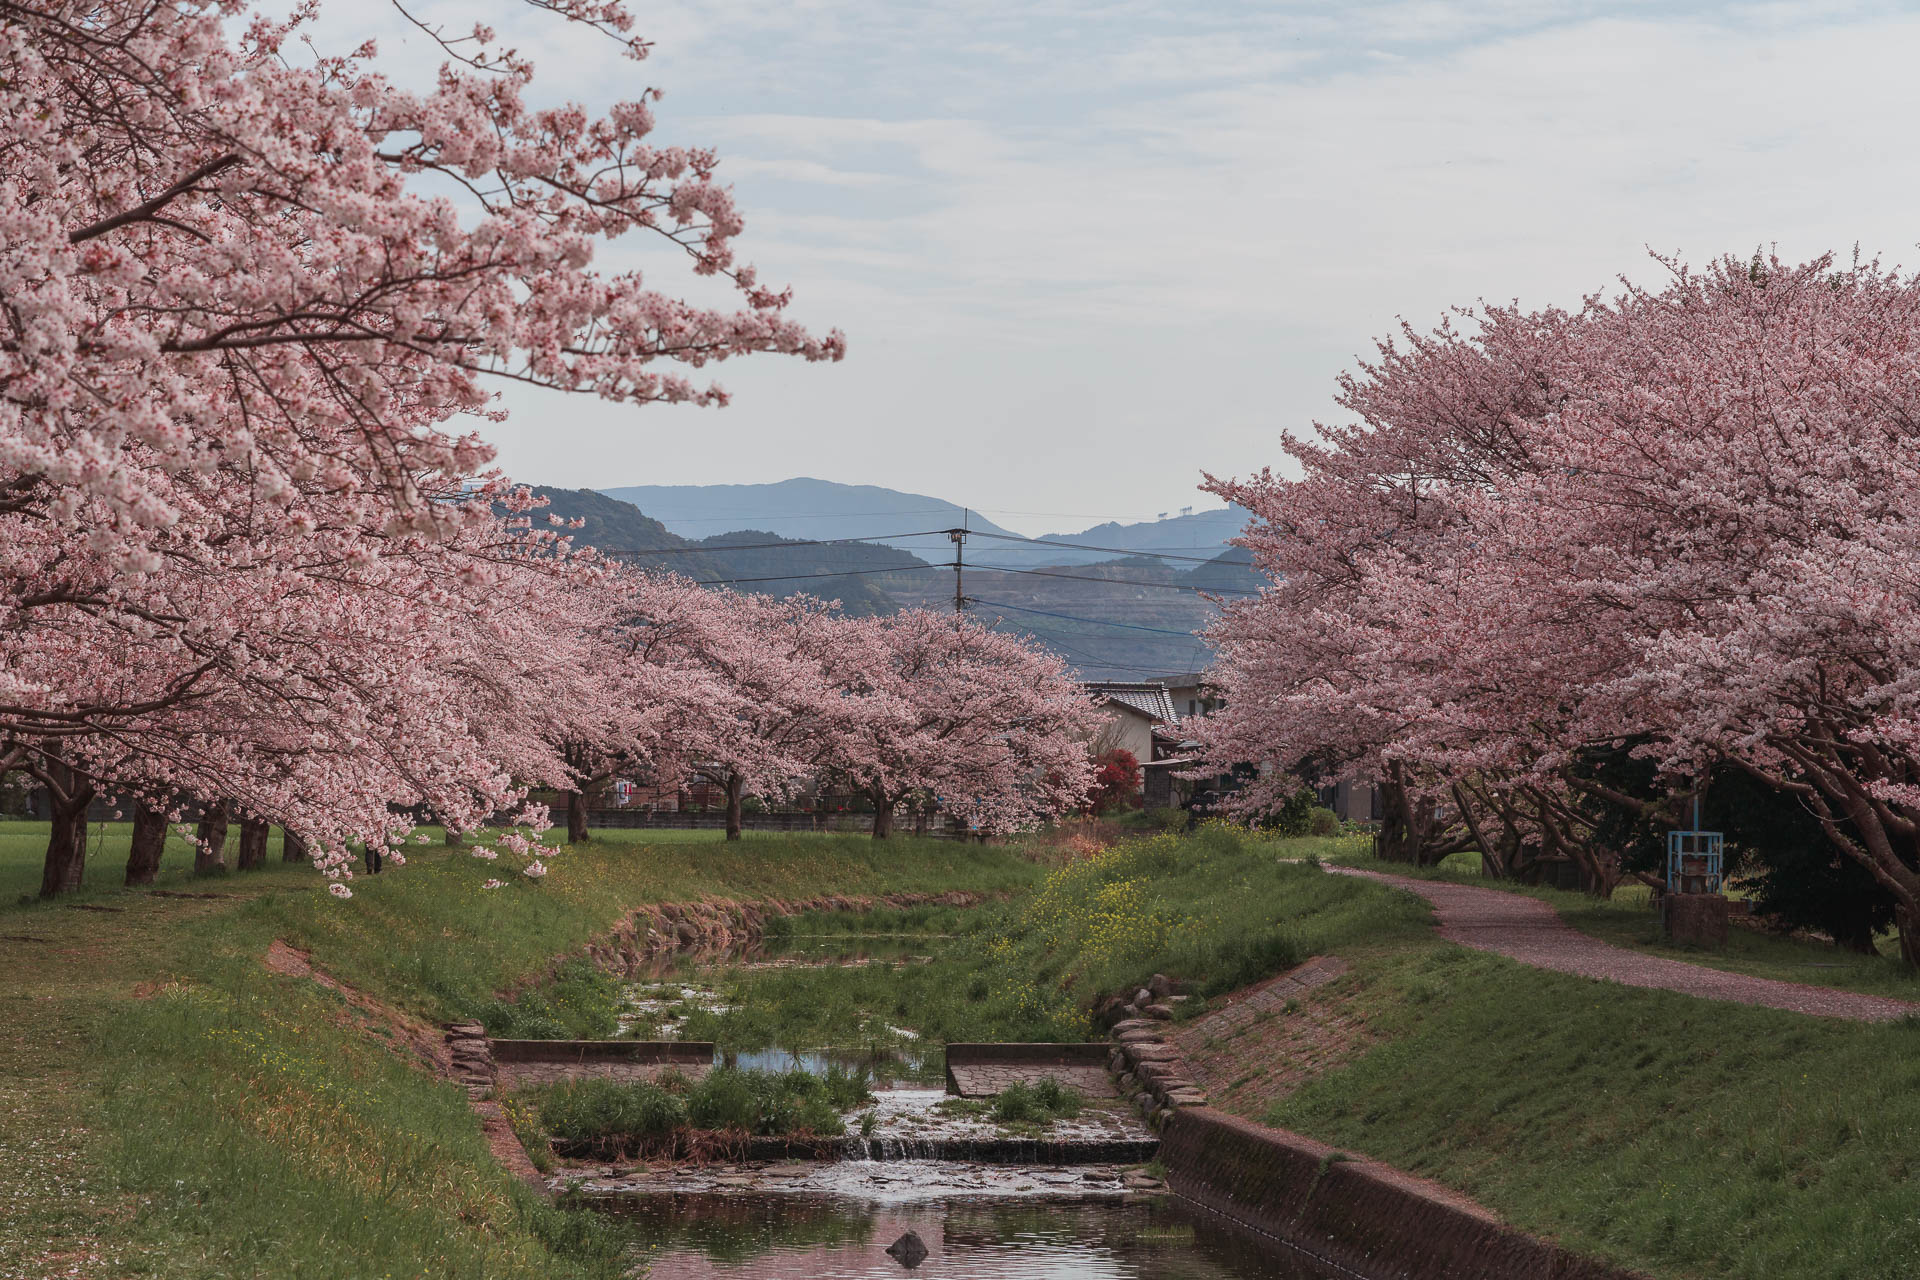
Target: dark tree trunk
[149, 842]
[882, 815]
[451, 838]
[734, 788]
[253, 844]
[1908, 921]
[576, 818]
[66, 863]
[210, 840]
[373, 857]
[293, 848]
[1403, 825]
[1857, 938]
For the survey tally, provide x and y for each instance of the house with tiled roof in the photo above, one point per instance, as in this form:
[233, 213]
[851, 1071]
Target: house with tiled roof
[1148, 697]
[1136, 710]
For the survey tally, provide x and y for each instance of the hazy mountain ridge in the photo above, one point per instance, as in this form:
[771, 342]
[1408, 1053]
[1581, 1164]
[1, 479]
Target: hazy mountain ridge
[1112, 617]
[750, 560]
[805, 507]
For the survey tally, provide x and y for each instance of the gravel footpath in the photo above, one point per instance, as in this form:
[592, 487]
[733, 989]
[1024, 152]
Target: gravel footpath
[1532, 932]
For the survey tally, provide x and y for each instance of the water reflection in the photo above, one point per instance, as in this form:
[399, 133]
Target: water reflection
[883, 1067]
[702, 1236]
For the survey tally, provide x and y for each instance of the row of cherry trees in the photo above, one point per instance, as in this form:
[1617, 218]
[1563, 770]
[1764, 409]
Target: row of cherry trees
[252, 563]
[761, 696]
[1673, 531]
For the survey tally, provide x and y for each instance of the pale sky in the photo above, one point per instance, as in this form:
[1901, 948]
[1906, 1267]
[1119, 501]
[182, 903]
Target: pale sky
[1083, 249]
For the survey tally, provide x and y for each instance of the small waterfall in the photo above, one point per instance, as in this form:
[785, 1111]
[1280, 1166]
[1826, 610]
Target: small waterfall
[1001, 1150]
[857, 1148]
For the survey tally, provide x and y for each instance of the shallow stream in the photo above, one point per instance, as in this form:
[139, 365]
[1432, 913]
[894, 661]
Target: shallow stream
[834, 1220]
[750, 1236]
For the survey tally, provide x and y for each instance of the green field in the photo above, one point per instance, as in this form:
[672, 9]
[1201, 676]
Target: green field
[171, 1107]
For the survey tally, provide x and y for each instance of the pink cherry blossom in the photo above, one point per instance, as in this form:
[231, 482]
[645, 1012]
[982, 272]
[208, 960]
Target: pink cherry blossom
[247, 552]
[1685, 520]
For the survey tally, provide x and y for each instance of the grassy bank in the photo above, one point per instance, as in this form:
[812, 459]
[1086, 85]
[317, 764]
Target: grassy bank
[1679, 1137]
[1684, 1137]
[1219, 907]
[174, 1108]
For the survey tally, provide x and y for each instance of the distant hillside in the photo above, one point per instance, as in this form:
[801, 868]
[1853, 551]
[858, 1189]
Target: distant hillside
[805, 508]
[763, 562]
[1232, 570]
[755, 561]
[1124, 617]
[1204, 533]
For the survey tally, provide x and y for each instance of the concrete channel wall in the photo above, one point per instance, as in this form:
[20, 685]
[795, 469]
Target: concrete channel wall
[1363, 1217]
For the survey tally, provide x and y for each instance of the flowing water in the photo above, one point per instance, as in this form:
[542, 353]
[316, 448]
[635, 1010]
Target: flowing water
[980, 1212]
[710, 1236]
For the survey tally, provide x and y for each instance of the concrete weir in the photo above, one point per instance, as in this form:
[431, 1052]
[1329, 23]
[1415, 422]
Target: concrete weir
[524, 1062]
[983, 1070]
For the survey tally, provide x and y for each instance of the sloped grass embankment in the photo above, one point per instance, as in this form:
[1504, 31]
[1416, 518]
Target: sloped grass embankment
[175, 1108]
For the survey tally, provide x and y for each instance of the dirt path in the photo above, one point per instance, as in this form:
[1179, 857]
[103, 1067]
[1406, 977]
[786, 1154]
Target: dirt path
[1530, 931]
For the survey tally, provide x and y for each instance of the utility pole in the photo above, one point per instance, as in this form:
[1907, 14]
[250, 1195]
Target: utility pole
[959, 537]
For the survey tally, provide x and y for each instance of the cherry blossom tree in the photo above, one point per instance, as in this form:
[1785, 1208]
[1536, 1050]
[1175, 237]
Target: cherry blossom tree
[757, 713]
[215, 255]
[1680, 522]
[246, 300]
[284, 676]
[989, 724]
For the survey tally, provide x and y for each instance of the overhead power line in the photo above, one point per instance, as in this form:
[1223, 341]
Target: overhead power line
[765, 546]
[802, 577]
[1127, 582]
[1099, 622]
[1082, 546]
[797, 515]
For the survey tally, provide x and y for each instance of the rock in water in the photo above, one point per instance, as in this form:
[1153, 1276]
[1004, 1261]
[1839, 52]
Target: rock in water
[909, 1250]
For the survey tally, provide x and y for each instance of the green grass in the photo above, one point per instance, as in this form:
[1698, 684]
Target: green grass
[1627, 920]
[1220, 909]
[1036, 1104]
[608, 1118]
[171, 1107]
[1683, 1137]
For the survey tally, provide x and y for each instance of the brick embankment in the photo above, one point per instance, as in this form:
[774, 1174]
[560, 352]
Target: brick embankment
[519, 1063]
[983, 1070]
[1269, 1039]
[1528, 930]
